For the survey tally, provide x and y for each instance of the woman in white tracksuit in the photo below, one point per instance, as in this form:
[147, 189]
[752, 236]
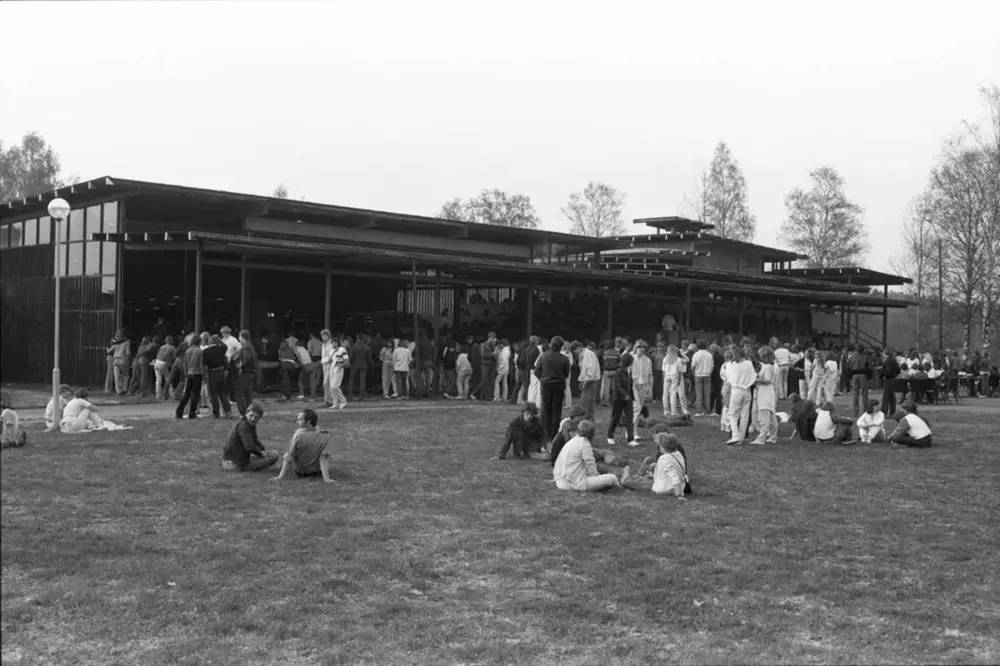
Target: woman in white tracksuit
[817, 376]
[535, 385]
[327, 360]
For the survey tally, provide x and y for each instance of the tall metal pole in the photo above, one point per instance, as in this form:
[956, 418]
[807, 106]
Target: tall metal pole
[940, 297]
[56, 378]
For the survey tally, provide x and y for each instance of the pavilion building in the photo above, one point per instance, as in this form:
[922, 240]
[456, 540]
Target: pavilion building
[134, 251]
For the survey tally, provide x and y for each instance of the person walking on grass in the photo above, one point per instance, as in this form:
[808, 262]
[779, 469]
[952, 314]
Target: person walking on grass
[621, 402]
[340, 361]
[243, 450]
[642, 380]
[306, 454]
[463, 373]
[576, 469]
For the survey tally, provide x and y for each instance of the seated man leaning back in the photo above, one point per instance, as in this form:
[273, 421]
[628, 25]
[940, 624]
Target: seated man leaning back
[307, 453]
[243, 450]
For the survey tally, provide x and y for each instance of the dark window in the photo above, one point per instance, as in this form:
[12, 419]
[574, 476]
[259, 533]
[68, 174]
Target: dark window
[111, 217]
[109, 265]
[60, 229]
[5, 236]
[76, 225]
[31, 232]
[93, 221]
[75, 259]
[93, 255]
[45, 230]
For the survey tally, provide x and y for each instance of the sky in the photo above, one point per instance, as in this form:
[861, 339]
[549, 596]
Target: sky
[401, 106]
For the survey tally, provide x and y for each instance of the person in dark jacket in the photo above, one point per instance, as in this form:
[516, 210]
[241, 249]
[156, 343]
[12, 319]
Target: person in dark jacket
[621, 400]
[567, 429]
[194, 367]
[214, 358]
[487, 367]
[248, 373]
[243, 443]
[890, 371]
[552, 371]
[526, 434]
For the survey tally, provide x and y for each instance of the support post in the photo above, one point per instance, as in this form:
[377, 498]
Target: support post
[857, 325]
[687, 312]
[416, 318]
[437, 306]
[885, 320]
[743, 309]
[198, 285]
[842, 325]
[327, 297]
[611, 314]
[530, 299]
[243, 292]
[56, 377]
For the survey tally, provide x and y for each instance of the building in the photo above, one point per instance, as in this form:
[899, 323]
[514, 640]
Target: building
[135, 252]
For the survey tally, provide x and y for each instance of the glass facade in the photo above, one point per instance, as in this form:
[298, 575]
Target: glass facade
[80, 255]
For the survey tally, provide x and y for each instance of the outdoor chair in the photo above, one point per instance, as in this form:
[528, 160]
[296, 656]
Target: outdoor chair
[901, 387]
[948, 387]
[923, 390]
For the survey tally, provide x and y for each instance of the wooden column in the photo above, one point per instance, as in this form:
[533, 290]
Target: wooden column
[437, 304]
[530, 305]
[198, 285]
[243, 293]
[327, 297]
[857, 325]
[687, 312]
[416, 318]
[611, 313]
[743, 310]
[885, 320]
[841, 325]
[458, 300]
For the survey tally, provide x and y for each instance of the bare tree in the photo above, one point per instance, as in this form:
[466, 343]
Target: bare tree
[493, 207]
[280, 192]
[917, 259]
[720, 198]
[29, 168]
[824, 224]
[596, 211]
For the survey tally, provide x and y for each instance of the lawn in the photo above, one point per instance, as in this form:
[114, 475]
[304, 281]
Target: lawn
[135, 548]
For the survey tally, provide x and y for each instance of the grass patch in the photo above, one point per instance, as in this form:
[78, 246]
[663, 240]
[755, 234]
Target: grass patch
[134, 547]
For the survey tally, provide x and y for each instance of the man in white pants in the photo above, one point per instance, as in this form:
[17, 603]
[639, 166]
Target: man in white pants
[783, 359]
[741, 379]
[575, 468]
[642, 382]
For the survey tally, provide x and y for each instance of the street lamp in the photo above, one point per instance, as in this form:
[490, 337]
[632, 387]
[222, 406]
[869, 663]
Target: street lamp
[58, 211]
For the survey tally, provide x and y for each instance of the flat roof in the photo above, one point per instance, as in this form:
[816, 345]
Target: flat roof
[203, 205]
[674, 223]
[769, 254]
[865, 277]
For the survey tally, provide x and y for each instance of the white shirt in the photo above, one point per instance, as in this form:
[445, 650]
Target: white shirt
[702, 363]
[462, 364]
[668, 475]
[503, 361]
[233, 347]
[74, 407]
[641, 370]
[590, 367]
[401, 359]
[327, 356]
[303, 355]
[742, 375]
[339, 357]
[825, 428]
[782, 356]
[575, 462]
[918, 428]
[870, 425]
[831, 366]
[51, 417]
[934, 373]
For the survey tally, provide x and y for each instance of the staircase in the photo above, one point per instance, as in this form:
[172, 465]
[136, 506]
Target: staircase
[857, 335]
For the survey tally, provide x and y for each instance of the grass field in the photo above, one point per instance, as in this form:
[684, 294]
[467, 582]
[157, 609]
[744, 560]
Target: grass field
[135, 548]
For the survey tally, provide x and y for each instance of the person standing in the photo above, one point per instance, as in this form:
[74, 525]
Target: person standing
[195, 366]
[248, 366]
[164, 363]
[766, 399]
[642, 380]
[742, 377]
[359, 355]
[340, 362]
[552, 371]
[500, 385]
[715, 383]
[214, 358]
[621, 400]
[890, 371]
[233, 348]
[861, 366]
[612, 359]
[385, 356]
[590, 380]
[401, 359]
[487, 365]
[449, 358]
[702, 364]
[783, 361]
[121, 355]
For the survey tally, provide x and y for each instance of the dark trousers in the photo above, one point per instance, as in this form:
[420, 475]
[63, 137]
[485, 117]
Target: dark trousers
[553, 395]
[922, 443]
[217, 391]
[232, 373]
[621, 410]
[888, 399]
[859, 389]
[287, 372]
[487, 376]
[359, 377]
[716, 394]
[244, 391]
[588, 397]
[192, 396]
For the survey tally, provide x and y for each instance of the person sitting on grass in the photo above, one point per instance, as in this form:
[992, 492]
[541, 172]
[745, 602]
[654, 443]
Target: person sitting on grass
[805, 421]
[669, 420]
[53, 414]
[526, 434]
[242, 443]
[79, 414]
[871, 424]
[567, 430]
[912, 430]
[667, 473]
[830, 428]
[576, 469]
[307, 452]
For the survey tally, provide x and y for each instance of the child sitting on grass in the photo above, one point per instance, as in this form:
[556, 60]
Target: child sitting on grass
[526, 434]
[871, 424]
[667, 474]
[912, 430]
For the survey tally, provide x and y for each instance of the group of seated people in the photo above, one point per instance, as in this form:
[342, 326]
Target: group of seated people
[306, 455]
[822, 424]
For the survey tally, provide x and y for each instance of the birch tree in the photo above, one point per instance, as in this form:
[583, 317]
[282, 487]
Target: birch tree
[824, 224]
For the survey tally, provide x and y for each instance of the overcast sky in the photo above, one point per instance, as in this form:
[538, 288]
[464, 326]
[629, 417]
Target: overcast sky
[402, 105]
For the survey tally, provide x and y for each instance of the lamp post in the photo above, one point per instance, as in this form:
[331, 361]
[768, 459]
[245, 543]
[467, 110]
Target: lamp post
[58, 211]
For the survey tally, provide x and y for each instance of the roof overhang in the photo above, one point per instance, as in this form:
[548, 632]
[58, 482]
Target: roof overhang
[854, 275]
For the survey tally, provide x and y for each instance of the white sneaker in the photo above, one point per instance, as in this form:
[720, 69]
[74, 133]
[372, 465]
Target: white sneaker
[634, 443]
